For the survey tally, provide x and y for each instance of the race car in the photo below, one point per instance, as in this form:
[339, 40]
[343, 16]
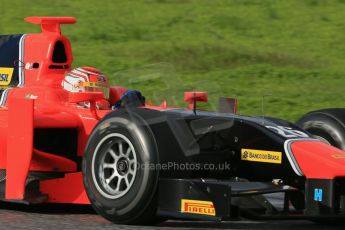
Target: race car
[137, 163]
[327, 125]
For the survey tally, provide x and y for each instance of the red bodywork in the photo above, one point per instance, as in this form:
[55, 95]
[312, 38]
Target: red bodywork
[318, 160]
[42, 103]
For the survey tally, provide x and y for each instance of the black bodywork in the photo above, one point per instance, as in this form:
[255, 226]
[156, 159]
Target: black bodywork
[10, 45]
[183, 137]
[206, 137]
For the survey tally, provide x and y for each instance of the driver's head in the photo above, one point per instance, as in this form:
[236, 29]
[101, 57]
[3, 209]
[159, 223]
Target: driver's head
[86, 79]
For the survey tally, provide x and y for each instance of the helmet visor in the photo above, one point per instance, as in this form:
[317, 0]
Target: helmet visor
[96, 87]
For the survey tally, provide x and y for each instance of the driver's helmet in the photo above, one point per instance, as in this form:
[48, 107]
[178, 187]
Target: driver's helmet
[86, 79]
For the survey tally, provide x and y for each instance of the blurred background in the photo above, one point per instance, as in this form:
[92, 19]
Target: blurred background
[279, 58]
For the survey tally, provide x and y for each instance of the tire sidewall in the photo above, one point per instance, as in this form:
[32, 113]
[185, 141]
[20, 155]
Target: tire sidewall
[128, 207]
[324, 126]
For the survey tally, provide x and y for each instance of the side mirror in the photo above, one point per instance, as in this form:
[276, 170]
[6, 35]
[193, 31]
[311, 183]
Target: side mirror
[193, 97]
[115, 93]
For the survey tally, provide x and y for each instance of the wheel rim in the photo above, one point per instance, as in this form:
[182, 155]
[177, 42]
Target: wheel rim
[114, 166]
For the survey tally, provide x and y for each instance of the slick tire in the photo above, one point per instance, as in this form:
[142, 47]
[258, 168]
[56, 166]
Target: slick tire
[116, 151]
[324, 126]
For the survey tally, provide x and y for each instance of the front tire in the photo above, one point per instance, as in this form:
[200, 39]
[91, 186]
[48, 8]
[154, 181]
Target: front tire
[120, 185]
[324, 126]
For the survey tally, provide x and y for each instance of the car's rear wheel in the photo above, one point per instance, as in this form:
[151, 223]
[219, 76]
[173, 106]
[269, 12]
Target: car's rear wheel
[120, 185]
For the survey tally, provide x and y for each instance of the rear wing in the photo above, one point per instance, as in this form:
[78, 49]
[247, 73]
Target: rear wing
[51, 24]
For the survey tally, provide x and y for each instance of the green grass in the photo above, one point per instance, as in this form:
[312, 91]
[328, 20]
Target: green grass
[290, 52]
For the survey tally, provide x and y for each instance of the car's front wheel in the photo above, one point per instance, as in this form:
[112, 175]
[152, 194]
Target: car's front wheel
[324, 126]
[120, 185]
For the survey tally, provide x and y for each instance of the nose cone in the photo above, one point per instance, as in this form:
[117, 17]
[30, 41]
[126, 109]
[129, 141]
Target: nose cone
[319, 160]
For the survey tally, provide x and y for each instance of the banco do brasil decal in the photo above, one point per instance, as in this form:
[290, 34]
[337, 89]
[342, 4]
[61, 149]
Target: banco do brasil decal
[261, 156]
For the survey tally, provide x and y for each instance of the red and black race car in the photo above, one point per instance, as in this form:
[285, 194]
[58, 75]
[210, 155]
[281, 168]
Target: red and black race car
[138, 163]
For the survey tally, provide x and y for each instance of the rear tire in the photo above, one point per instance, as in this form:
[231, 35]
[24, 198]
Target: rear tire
[119, 188]
[324, 127]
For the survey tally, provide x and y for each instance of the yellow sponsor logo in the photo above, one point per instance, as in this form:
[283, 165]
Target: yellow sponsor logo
[104, 125]
[5, 76]
[94, 84]
[198, 207]
[339, 156]
[261, 156]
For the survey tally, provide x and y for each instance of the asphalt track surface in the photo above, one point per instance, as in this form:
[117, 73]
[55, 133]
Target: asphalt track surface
[14, 216]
